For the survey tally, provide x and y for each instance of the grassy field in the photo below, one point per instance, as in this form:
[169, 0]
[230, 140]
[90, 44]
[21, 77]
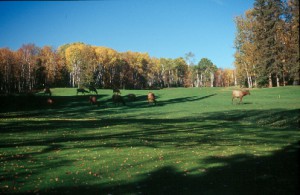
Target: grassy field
[194, 141]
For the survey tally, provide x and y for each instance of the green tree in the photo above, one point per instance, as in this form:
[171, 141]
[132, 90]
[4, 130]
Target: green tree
[293, 47]
[268, 14]
[207, 70]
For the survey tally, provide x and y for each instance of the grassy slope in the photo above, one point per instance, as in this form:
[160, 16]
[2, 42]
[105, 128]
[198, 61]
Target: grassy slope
[194, 141]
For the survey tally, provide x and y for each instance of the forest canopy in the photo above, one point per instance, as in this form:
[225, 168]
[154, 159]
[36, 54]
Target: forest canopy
[267, 44]
[81, 65]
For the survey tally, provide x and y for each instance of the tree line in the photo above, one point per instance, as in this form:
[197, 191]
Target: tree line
[267, 44]
[81, 65]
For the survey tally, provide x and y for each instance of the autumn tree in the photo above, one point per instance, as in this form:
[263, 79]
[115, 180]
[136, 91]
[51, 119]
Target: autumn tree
[155, 76]
[181, 71]
[49, 69]
[190, 61]
[28, 54]
[245, 55]
[7, 71]
[81, 63]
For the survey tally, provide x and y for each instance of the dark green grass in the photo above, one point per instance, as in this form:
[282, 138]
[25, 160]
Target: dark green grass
[194, 141]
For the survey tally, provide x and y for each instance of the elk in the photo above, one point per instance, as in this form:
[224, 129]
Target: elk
[239, 94]
[151, 98]
[81, 90]
[116, 91]
[93, 89]
[131, 97]
[47, 91]
[116, 98]
[93, 100]
[49, 101]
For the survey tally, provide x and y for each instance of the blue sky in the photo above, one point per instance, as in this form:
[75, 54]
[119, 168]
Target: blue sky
[169, 28]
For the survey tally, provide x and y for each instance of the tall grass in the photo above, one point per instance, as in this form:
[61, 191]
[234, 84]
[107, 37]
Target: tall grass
[193, 141]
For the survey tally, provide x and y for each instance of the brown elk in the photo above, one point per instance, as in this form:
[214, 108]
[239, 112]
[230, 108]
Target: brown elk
[93, 100]
[116, 98]
[151, 98]
[49, 101]
[239, 94]
[81, 90]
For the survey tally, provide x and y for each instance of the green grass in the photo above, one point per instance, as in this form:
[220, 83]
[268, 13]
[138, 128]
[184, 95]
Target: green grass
[194, 141]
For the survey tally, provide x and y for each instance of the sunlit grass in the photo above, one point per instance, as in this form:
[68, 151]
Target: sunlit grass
[191, 136]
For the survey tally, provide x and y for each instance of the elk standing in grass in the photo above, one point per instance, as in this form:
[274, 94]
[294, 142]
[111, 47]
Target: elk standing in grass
[81, 90]
[151, 98]
[93, 100]
[47, 91]
[93, 89]
[131, 97]
[49, 101]
[116, 91]
[116, 98]
[239, 94]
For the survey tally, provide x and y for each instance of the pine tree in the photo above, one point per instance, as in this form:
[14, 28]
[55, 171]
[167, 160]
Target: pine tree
[294, 28]
[268, 14]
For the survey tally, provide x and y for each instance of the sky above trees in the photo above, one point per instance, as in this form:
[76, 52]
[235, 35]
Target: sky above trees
[167, 29]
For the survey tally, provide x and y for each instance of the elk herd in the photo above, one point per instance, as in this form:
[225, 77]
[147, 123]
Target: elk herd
[118, 99]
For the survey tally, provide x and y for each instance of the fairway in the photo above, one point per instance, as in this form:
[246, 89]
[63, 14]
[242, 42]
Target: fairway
[194, 141]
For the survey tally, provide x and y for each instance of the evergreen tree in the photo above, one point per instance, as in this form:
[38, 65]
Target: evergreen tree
[294, 28]
[268, 14]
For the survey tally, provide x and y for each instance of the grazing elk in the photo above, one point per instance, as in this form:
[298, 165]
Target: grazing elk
[49, 101]
[116, 98]
[93, 100]
[81, 90]
[131, 97]
[151, 98]
[116, 91]
[47, 91]
[93, 89]
[239, 94]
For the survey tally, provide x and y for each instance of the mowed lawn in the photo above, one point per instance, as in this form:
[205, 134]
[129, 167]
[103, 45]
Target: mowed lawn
[194, 141]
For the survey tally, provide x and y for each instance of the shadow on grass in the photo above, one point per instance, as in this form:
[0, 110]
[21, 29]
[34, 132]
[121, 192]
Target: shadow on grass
[276, 123]
[240, 174]
[141, 101]
[34, 105]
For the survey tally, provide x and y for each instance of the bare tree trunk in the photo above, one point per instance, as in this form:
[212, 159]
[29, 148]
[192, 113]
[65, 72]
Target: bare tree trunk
[249, 80]
[235, 80]
[198, 80]
[201, 80]
[270, 81]
[212, 77]
[283, 78]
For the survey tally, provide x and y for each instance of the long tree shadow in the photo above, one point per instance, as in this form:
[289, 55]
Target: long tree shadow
[36, 105]
[240, 174]
[141, 101]
[281, 122]
[32, 105]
